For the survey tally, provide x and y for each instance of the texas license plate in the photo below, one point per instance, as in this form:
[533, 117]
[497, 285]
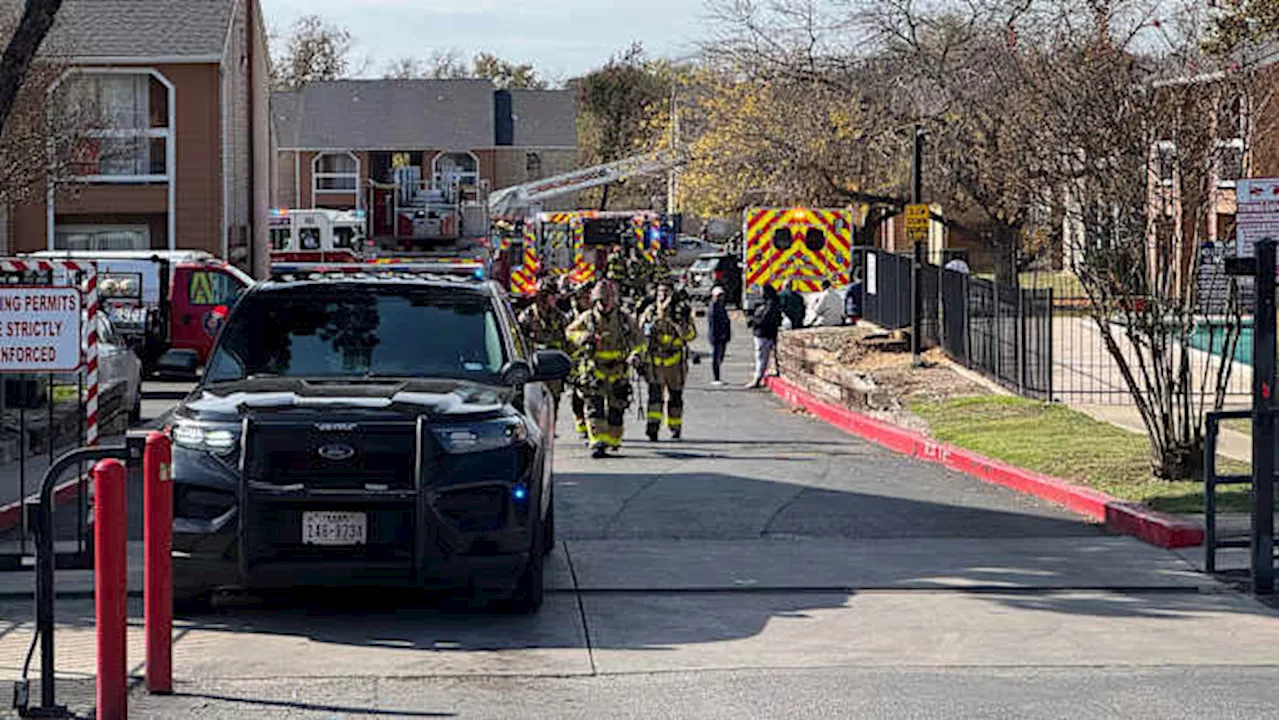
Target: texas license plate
[334, 528]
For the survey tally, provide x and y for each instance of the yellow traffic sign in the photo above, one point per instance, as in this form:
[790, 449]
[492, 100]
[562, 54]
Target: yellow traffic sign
[917, 222]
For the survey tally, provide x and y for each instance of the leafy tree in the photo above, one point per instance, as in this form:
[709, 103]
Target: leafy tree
[315, 50]
[1241, 22]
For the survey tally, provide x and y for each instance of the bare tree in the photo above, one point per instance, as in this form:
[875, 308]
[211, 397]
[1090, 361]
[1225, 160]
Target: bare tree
[24, 42]
[47, 137]
[314, 50]
[449, 64]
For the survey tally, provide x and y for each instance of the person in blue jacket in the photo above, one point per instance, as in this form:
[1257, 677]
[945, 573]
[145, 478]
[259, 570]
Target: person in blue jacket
[718, 331]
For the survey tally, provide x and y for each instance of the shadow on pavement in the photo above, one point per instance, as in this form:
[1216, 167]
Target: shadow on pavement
[260, 703]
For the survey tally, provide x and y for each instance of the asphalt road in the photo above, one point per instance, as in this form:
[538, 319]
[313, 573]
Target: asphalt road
[766, 566]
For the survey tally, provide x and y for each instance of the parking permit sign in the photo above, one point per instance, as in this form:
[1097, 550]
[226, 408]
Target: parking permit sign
[1257, 213]
[39, 329]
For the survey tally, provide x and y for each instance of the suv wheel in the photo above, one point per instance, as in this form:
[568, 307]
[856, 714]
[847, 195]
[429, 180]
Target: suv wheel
[526, 599]
[549, 527]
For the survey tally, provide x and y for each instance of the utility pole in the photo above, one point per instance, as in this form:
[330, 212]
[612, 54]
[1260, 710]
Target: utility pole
[673, 179]
[917, 154]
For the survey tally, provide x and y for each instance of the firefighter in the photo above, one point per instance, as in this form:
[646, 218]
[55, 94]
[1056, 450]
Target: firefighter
[543, 325]
[609, 342]
[581, 303]
[668, 330]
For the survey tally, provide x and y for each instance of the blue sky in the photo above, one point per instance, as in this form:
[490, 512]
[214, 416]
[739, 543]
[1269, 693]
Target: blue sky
[562, 38]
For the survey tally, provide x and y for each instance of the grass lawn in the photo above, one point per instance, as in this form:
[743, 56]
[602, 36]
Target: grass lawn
[1239, 425]
[1061, 442]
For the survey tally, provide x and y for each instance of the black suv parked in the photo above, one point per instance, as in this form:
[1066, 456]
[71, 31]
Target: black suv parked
[368, 427]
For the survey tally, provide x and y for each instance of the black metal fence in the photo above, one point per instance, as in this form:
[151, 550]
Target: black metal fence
[887, 289]
[1001, 331]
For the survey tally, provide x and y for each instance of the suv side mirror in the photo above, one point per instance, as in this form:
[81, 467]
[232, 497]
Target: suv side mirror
[178, 364]
[551, 365]
[517, 373]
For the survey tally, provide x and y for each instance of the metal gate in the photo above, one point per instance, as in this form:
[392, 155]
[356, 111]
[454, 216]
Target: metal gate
[887, 286]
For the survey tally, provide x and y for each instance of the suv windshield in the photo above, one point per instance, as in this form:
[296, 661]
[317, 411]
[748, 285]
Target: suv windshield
[705, 263]
[360, 331]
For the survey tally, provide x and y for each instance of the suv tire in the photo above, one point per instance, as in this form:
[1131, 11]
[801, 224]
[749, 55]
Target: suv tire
[549, 527]
[527, 596]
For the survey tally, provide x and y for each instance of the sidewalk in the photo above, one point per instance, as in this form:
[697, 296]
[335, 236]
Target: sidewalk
[1231, 443]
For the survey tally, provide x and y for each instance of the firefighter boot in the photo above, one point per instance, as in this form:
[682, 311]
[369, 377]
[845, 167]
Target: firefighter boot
[654, 415]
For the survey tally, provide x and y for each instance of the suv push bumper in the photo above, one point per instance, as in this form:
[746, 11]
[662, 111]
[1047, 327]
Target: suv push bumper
[472, 535]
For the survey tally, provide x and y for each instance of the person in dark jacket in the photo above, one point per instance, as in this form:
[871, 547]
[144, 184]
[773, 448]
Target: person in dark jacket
[792, 306]
[718, 331]
[853, 300]
[764, 326]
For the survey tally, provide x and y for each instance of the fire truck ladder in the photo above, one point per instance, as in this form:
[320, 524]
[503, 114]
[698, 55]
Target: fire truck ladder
[519, 200]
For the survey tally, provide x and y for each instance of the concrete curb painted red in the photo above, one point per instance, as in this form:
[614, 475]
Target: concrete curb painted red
[1157, 528]
[11, 514]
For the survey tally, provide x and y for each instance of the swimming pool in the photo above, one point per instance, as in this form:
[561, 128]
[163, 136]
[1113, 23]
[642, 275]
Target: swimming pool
[1210, 337]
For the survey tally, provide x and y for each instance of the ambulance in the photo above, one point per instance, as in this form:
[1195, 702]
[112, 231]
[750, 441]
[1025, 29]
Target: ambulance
[798, 245]
[317, 235]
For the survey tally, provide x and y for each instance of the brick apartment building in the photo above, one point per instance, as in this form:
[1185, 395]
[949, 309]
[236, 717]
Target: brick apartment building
[180, 157]
[340, 140]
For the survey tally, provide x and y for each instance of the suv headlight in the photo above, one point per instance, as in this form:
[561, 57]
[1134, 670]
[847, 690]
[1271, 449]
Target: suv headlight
[215, 438]
[481, 436]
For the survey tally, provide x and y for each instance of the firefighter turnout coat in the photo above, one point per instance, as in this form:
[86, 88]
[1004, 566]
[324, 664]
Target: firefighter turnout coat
[668, 329]
[606, 344]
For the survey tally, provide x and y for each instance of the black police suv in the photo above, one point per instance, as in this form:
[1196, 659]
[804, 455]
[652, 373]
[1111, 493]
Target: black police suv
[380, 428]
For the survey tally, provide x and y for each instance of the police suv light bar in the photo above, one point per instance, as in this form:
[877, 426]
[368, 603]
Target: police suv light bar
[462, 270]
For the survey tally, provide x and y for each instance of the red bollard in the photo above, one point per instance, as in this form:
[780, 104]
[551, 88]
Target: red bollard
[111, 594]
[157, 503]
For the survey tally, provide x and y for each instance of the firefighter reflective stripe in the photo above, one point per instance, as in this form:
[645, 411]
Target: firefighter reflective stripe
[667, 360]
[807, 245]
[607, 439]
[655, 415]
[607, 355]
[675, 422]
[609, 377]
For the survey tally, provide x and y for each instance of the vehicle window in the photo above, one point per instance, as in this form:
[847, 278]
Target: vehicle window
[107, 331]
[212, 287]
[345, 331]
[280, 238]
[815, 240]
[346, 238]
[310, 238]
[704, 264]
[782, 238]
[516, 251]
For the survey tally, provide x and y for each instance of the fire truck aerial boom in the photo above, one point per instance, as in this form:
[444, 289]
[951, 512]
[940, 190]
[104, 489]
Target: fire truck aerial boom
[522, 199]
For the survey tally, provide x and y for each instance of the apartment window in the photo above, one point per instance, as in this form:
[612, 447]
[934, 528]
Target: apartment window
[101, 237]
[1229, 161]
[336, 172]
[455, 170]
[121, 120]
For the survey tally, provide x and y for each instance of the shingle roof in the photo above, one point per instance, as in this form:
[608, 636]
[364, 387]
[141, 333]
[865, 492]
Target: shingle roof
[136, 28]
[543, 118]
[386, 115]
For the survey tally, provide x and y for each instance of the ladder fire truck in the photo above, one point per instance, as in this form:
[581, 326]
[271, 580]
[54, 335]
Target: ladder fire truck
[531, 244]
